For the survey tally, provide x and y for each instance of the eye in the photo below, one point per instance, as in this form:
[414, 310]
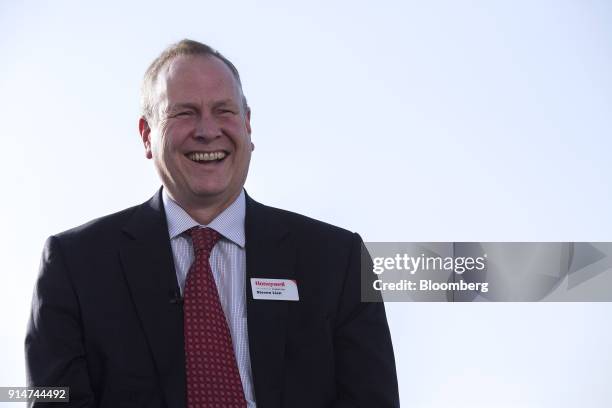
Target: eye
[225, 111]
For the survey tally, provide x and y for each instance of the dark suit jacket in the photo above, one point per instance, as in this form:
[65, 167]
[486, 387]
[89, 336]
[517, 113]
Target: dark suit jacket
[105, 320]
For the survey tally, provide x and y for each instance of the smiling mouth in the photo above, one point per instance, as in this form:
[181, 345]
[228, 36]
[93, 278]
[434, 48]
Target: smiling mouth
[207, 157]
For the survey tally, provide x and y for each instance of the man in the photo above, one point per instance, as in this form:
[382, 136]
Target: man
[202, 297]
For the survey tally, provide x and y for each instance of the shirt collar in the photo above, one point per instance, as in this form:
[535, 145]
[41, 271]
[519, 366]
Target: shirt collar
[230, 223]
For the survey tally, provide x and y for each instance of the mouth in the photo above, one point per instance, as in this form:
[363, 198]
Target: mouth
[207, 157]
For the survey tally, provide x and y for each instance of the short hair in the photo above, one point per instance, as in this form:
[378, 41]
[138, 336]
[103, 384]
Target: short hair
[183, 47]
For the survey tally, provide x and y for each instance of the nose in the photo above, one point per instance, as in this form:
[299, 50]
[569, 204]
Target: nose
[207, 128]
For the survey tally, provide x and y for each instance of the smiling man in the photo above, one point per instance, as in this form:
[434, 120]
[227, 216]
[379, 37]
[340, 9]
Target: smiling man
[202, 297]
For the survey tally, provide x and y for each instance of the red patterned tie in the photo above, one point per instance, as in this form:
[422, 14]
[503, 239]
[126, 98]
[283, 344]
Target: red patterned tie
[213, 379]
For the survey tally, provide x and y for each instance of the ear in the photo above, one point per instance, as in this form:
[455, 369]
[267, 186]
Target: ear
[248, 125]
[145, 135]
[247, 120]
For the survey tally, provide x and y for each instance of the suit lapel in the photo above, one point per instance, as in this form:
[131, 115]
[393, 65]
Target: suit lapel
[270, 253]
[148, 266]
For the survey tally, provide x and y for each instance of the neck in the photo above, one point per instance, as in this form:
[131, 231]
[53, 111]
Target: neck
[203, 211]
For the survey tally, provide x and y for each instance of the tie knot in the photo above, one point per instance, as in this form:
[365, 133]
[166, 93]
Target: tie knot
[204, 239]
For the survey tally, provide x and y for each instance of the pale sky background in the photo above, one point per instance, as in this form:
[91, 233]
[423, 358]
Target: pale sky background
[401, 120]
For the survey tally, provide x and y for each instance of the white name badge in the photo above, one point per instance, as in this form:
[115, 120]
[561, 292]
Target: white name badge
[274, 289]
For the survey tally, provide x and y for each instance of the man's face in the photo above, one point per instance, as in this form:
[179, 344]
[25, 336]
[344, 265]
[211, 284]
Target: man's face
[201, 140]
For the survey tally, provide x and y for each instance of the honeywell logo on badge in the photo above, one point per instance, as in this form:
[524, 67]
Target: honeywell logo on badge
[271, 284]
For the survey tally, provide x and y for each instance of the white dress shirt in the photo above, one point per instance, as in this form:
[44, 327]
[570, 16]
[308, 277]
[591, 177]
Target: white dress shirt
[228, 264]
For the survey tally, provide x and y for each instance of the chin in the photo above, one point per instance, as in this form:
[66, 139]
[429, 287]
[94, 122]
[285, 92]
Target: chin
[209, 192]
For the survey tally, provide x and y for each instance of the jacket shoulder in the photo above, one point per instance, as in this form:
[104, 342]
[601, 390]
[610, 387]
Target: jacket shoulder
[105, 226]
[308, 226]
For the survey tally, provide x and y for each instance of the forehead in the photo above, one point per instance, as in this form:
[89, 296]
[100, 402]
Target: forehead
[197, 77]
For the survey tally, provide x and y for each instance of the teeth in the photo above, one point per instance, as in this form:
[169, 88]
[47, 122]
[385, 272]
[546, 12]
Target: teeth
[207, 156]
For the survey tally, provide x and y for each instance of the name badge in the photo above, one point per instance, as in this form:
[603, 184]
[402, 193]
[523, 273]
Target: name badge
[274, 289]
